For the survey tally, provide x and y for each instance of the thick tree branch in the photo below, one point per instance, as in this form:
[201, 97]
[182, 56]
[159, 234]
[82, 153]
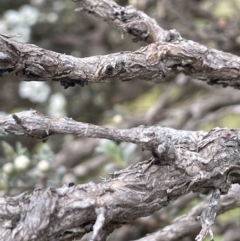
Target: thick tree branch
[153, 62]
[183, 161]
[188, 225]
[195, 160]
[189, 150]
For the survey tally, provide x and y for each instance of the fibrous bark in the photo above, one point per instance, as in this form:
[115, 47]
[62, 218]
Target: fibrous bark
[188, 225]
[168, 54]
[152, 63]
[182, 161]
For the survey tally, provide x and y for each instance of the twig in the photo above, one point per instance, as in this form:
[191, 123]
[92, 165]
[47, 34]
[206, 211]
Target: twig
[208, 216]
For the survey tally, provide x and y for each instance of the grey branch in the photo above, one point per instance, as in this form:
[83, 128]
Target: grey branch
[154, 62]
[208, 216]
[188, 225]
[192, 151]
[183, 161]
[127, 20]
[34, 124]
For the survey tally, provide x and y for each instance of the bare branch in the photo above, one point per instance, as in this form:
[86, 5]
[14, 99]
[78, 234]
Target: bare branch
[182, 161]
[152, 63]
[188, 225]
[71, 211]
[127, 19]
[208, 216]
[34, 124]
[191, 151]
[99, 224]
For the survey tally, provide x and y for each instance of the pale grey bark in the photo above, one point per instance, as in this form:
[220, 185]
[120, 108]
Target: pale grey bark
[183, 161]
[127, 20]
[188, 225]
[168, 54]
[154, 62]
[208, 215]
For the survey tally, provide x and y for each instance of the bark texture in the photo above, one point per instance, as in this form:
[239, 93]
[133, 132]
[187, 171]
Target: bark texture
[188, 225]
[182, 161]
[152, 63]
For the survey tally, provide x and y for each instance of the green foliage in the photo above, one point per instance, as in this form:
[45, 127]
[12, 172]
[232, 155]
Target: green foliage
[230, 121]
[19, 168]
[216, 238]
[230, 215]
[225, 8]
[144, 101]
[120, 153]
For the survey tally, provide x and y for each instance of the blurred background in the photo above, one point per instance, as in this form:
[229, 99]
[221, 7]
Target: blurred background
[180, 102]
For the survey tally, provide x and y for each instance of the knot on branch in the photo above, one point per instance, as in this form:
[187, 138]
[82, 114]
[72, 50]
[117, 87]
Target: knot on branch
[173, 35]
[73, 82]
[34, 130]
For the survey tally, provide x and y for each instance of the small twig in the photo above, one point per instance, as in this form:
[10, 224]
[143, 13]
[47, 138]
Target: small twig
[97, 228]
[208, 216]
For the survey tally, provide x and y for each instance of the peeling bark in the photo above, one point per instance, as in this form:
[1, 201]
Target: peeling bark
[182, 161]
[187, 225]
[151, 63]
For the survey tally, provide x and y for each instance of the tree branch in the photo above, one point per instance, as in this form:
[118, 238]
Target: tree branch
[188, 225]
[152, 63]
[192, 152]
[182, 161]
[127, 19]
[196, 160]
[208, 216]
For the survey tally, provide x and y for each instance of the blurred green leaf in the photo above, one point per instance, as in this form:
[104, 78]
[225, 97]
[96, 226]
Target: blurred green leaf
[8, 150]
[20, 150]
[128, 151]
